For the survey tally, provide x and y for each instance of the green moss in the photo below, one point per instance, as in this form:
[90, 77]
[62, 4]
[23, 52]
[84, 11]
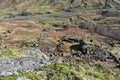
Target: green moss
[57, 67]
[6, 52]
[57, 72]
[30, 75]
[11, 53]
[80, 71]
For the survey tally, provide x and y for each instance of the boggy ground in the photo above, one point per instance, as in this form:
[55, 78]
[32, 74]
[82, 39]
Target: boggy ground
[74, 44]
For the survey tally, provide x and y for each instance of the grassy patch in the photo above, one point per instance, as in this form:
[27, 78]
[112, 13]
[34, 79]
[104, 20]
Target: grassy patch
[79, 71]
[73, 71]
[11, 53]
[53, 21]
[30, 75]
[57, 67]
[57, 72]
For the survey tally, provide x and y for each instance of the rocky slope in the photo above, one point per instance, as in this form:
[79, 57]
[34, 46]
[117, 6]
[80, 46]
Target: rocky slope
[59, 40]
[63, 4]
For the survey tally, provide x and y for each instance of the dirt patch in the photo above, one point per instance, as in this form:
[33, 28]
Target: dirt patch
[77, 33]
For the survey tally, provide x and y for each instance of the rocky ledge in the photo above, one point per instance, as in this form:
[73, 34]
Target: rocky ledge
[12, 66]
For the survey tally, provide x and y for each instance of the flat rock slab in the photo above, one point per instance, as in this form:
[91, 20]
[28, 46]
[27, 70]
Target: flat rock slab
[10, 66]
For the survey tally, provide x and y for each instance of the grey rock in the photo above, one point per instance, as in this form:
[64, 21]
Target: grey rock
[23, 78]
[8, 73]
[9, 31]
[10, 66]
[1, 47]
[43, 73]
[60, 60]
[35, 53]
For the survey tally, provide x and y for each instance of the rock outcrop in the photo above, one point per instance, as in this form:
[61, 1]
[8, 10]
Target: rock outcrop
[11, 66]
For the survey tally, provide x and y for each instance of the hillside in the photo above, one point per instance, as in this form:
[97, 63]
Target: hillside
[37, 6]
[59, 39]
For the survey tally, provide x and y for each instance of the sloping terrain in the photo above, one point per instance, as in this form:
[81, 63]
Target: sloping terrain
[17, 6]
[59, 40]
